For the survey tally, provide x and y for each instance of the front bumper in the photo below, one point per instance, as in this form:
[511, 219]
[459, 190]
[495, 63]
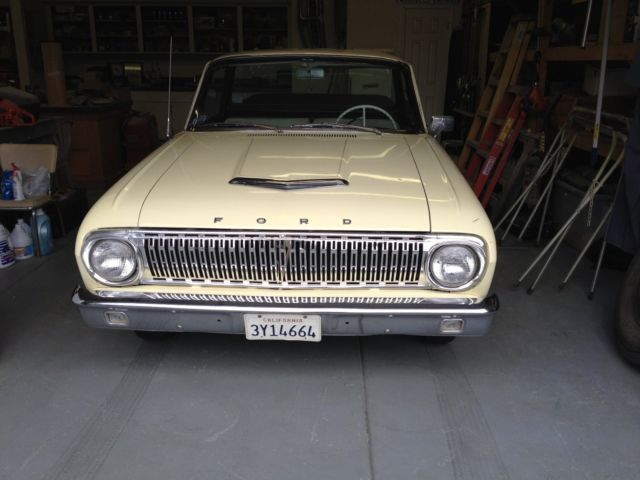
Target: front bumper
[337, 319]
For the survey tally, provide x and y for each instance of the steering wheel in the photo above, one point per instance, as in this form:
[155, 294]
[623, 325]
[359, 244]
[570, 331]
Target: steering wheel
[364, 108]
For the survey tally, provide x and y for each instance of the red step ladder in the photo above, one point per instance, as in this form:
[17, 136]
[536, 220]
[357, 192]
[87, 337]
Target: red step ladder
[500, 151]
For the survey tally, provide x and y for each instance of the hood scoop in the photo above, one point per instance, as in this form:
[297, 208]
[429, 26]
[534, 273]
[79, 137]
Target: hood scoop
[289, 184]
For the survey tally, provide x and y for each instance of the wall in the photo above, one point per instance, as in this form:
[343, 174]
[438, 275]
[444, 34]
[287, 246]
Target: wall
[376, 24]
[379, 24]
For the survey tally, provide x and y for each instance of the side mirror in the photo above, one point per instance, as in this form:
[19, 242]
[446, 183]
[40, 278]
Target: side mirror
[441, 123]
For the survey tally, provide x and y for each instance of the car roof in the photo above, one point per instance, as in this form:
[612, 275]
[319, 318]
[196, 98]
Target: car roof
[370, 54]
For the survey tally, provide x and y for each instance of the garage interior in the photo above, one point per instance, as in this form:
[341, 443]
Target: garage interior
[545, 394]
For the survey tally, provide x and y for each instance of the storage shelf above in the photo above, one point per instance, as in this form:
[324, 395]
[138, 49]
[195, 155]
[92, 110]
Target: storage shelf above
[619, 52]
[197, 29]
[127, 20]
[156, 20]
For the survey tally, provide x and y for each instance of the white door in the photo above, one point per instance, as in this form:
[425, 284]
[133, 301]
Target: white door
[426, 46]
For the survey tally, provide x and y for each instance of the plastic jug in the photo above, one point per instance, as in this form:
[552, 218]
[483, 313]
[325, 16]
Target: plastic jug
[21, 240]
[18, 192]
[45, 234]
[7, 257]
[6, 188]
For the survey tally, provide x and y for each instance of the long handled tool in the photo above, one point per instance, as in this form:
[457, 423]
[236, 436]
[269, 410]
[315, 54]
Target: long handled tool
[603, 70]
[606, 220]
[608, 167]
[563, 151]
[552, 161]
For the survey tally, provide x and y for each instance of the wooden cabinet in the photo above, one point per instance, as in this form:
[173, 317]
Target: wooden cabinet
[96, 157]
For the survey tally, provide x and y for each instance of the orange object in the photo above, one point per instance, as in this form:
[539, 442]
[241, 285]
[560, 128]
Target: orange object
[537, 101]
[11, 115]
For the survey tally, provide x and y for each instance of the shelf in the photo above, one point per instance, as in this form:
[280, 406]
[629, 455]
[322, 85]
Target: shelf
[115, 21]
[267, 30]
[214, 29]
[530, 56]
[620, 52]
[111, 52]
[218, 27]
[155, 20]
[464, 113]
[264, 27]
[72, 28]
[571, 53]
[163, 37]
[75, 22]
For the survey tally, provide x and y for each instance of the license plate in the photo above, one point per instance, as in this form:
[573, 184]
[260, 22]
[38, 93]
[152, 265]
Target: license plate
[301, 328]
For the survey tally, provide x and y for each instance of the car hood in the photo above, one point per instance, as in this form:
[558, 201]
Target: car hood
[367, 182]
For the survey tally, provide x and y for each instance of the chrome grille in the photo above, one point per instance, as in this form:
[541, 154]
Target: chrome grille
[282, 260]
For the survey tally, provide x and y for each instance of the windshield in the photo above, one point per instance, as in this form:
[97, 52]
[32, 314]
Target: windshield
[307, 93]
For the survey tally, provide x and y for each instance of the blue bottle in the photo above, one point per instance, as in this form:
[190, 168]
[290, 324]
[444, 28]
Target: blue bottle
[45, 234]
[6, 187]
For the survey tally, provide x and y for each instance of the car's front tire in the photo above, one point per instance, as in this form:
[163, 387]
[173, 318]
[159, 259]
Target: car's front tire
[627, 319]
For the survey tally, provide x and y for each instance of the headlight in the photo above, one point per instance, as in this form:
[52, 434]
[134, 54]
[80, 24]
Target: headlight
[112, 261]
[453, 266]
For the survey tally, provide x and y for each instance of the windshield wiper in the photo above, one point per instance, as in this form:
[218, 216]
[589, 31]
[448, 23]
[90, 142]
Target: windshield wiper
[340, 126]
[214, 125]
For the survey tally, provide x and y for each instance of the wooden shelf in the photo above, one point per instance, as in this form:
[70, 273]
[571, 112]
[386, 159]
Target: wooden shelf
[464, 113]
[529, 58]
[620, 52]
[197, 28]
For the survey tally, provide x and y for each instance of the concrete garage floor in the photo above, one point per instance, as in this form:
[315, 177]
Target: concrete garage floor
[543, 396]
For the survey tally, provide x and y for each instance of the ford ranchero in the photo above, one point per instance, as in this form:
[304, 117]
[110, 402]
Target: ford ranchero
[305, 197]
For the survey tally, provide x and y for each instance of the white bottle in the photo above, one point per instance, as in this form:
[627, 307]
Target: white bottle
[7, 257]
[18, 192]
[21, 240]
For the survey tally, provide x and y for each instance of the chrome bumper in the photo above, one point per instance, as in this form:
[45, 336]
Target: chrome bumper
[337, 319]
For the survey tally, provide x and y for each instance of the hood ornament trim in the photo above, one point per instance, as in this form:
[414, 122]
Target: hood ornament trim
[289, 184]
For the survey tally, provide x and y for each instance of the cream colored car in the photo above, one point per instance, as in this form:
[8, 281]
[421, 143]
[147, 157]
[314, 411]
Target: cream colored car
[305, 197]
